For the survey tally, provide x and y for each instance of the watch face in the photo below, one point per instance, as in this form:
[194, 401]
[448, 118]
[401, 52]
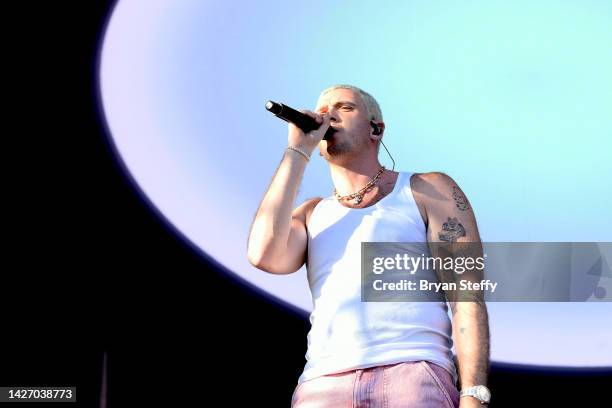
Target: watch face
[483, 394]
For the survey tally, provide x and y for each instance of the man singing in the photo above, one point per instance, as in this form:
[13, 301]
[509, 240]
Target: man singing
[370, 354]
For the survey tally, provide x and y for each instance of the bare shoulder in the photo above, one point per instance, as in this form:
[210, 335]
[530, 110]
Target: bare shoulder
[431, 189]
[304, 210]
[426, 183]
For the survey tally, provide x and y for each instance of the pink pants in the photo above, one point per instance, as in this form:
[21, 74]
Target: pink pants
[412, 384]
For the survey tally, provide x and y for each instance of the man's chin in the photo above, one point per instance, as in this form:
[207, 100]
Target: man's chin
[326, 152]
[334, 151]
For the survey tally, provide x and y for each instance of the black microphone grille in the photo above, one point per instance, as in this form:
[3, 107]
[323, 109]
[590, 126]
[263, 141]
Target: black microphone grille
[274, 107]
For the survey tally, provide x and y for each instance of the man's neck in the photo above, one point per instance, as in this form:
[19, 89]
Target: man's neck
[348, 179]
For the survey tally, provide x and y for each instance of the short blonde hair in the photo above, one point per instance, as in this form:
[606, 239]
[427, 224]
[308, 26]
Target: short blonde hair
[372, 107]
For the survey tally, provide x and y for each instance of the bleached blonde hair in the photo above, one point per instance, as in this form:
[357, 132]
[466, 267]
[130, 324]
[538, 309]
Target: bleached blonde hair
[372, 107]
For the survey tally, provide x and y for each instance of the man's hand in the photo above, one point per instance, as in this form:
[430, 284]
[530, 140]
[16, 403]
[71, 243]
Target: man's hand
[308, 141]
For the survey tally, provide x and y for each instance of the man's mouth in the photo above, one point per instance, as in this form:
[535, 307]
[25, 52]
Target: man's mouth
[330, 133]
[334, 130]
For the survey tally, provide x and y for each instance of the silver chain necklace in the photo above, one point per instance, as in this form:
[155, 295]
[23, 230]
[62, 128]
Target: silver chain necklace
[357, 196]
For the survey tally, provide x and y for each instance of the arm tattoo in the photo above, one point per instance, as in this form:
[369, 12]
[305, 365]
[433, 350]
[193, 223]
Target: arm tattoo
[461, 200]
[451, 230]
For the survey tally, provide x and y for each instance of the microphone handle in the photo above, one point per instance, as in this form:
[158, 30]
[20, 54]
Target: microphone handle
[304, 122]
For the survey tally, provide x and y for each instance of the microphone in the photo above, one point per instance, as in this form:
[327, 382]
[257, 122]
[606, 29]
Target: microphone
[304, 122]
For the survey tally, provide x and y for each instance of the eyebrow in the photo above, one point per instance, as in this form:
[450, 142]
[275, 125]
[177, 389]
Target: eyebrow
[340, 103]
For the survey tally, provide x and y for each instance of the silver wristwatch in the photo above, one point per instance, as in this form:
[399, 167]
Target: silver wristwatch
[480, 392]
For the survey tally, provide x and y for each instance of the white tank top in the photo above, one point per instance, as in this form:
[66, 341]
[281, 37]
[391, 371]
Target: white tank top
[346, 333]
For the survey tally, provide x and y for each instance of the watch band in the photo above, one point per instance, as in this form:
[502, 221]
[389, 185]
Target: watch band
[480, 392]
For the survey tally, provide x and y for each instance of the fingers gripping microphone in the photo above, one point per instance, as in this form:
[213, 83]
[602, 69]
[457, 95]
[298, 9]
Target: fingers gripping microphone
[304, 122]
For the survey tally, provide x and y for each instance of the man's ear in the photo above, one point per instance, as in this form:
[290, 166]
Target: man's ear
[377, 129]
[381, 126]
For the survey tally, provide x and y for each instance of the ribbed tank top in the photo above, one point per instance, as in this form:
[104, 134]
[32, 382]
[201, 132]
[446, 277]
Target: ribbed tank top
[346, 333]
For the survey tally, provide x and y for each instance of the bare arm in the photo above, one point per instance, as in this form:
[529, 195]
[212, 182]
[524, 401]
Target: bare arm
[450, 220]
[277, 240]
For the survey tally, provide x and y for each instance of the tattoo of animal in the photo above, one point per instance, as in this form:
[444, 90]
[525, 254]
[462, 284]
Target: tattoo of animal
[451, 230]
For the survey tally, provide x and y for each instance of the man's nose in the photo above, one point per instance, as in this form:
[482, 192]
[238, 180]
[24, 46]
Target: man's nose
[333, 115]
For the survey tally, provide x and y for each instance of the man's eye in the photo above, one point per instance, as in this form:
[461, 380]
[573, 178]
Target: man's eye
[347, 107]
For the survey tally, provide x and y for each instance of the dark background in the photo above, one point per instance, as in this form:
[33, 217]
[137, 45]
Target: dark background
[89, 268]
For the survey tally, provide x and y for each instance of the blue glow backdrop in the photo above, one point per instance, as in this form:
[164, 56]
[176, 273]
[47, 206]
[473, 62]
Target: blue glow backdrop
[513, 99]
